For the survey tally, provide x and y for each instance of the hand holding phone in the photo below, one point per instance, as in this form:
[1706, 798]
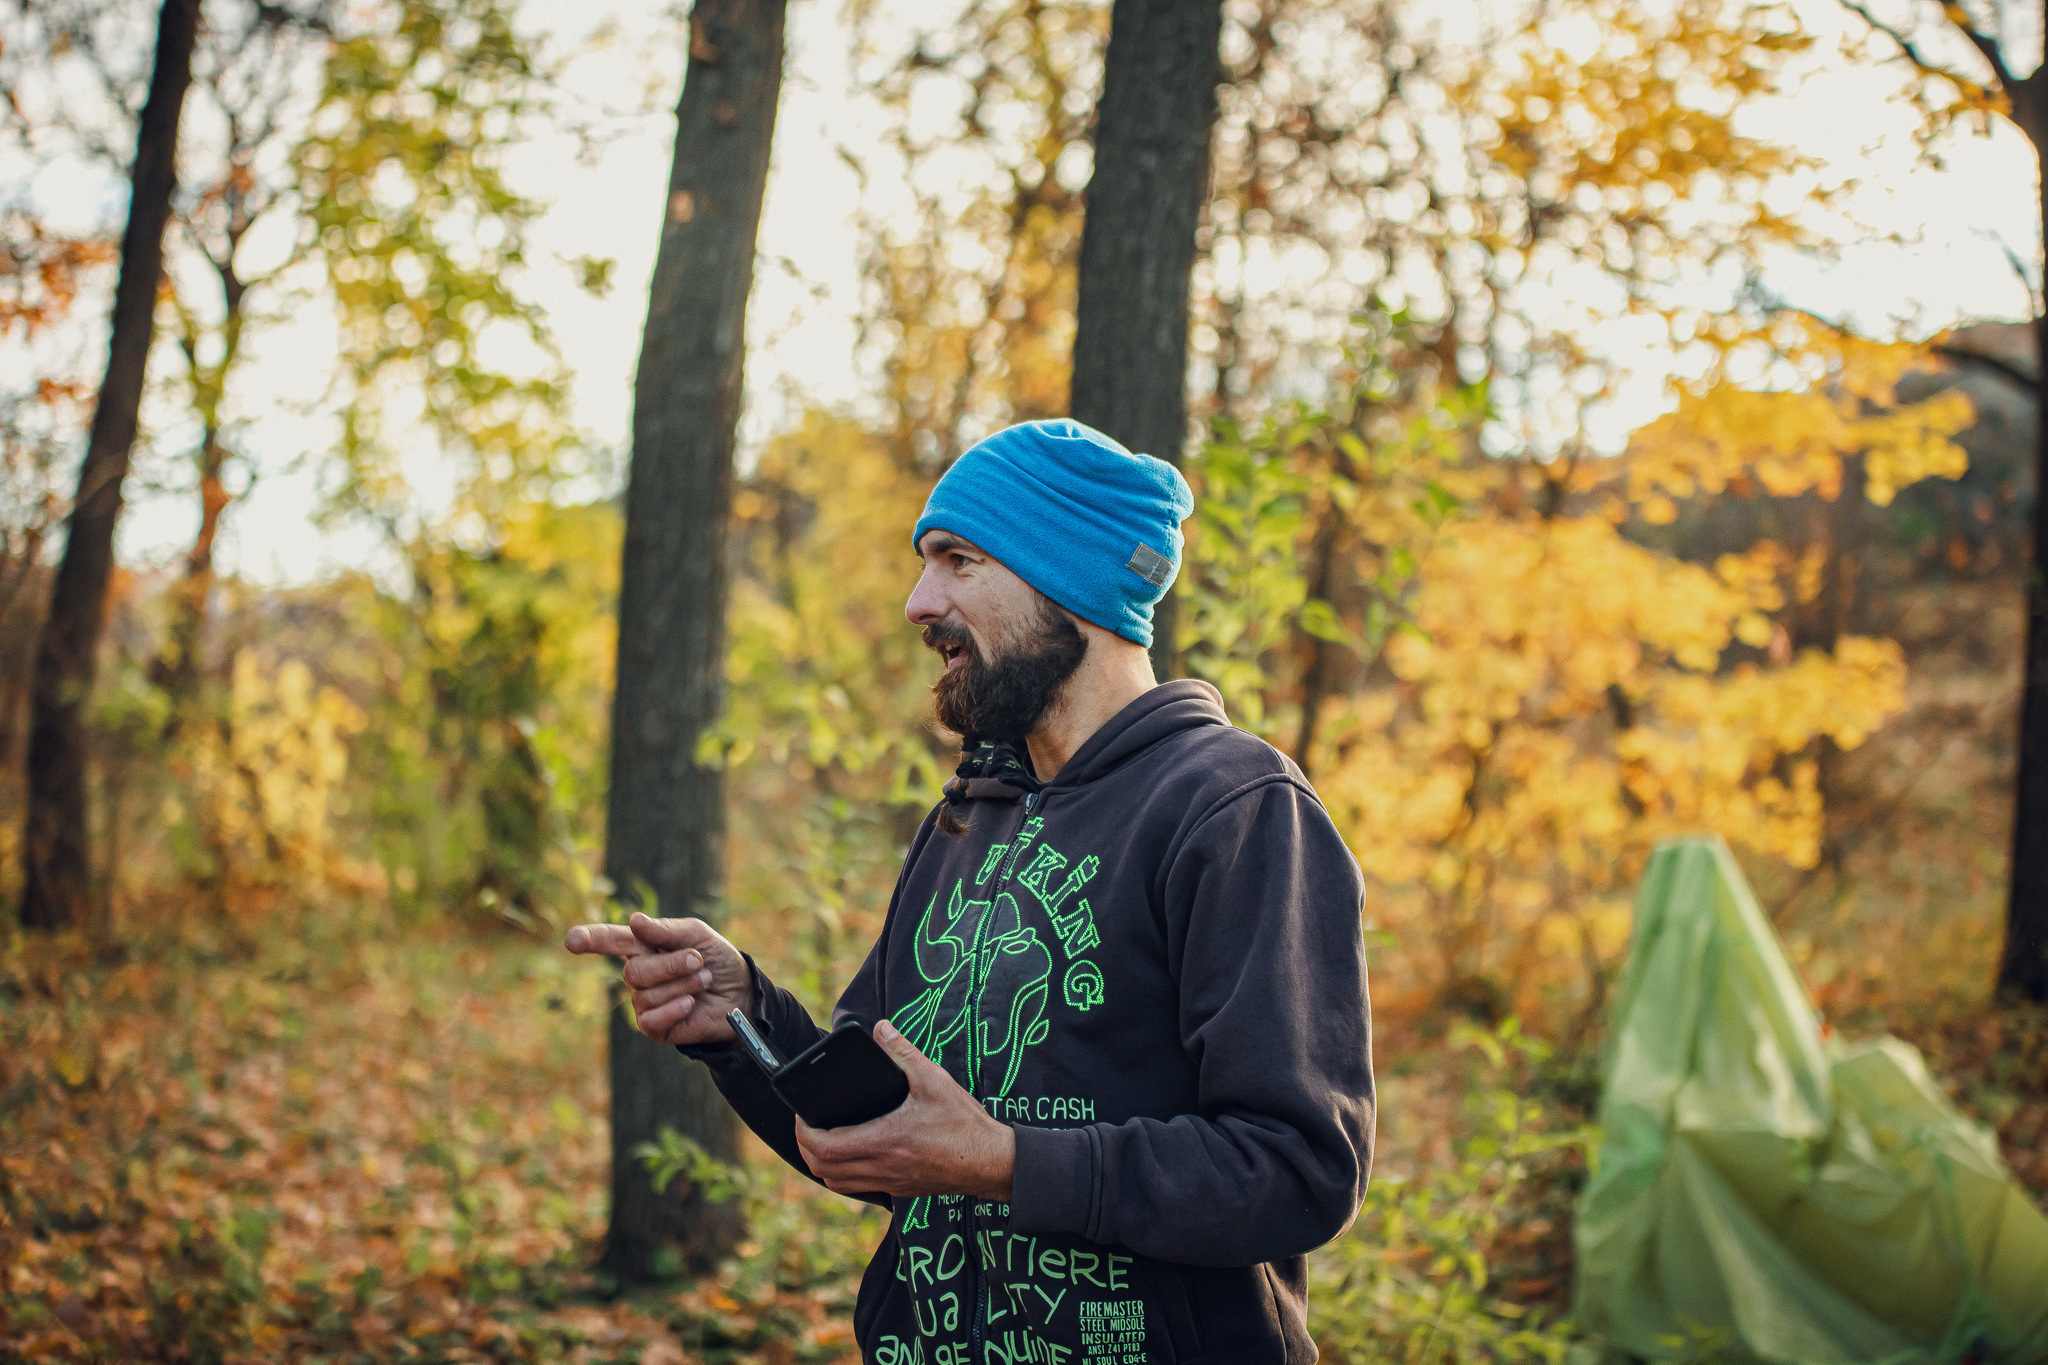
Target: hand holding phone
[842, 1079]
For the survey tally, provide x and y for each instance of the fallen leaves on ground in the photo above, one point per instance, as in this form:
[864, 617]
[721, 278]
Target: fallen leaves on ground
[349, 1146]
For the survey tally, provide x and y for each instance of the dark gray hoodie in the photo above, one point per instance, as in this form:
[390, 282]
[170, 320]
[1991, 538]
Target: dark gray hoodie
[1151, 966]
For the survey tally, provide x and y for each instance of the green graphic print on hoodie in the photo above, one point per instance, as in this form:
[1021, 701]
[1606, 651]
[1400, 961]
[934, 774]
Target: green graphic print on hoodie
[1151, 967]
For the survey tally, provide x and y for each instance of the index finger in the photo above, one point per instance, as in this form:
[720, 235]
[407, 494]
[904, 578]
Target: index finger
[613, 940]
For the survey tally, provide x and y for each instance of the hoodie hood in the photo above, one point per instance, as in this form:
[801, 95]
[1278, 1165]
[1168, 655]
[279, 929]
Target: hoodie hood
[1160, 713]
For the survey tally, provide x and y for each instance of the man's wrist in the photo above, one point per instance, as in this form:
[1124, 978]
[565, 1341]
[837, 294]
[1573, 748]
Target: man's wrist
[998, 1171]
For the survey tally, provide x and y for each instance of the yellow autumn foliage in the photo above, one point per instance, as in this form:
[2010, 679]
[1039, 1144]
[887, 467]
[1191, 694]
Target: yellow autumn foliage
[821, 668]
[261, 787]
[1531, 699]
[1792, 440]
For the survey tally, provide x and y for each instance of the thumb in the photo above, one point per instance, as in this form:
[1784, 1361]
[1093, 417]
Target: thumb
[901, 1050]
[664, 935]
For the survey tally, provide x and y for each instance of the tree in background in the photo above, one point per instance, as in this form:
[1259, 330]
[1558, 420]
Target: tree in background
[420, 241]
[972, 319]
[42, 274]
[249, 74]
[329, 160]
[1144, 204]
[1541, 697]
[57, 882]
[1948, 93]
[666, 819]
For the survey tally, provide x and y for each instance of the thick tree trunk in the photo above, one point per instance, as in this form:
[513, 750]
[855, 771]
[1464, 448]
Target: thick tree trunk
[1144, 203]
[56, 852]
[2023, 966]
[665, 822]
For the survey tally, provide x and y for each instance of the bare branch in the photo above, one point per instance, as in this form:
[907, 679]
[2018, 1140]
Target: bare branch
[1906, 46]
[1983, 42]
[1926, 65]
[2004, 368]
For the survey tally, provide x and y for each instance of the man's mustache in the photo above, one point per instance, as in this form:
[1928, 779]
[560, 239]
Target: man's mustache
[941, 636]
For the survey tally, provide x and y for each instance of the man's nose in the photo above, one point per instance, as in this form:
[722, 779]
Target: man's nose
[927, 602]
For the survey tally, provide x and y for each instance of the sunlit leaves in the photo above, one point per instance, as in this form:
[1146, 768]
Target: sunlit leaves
[514, 649]
[1299, 513]
[821, 666]
[972, 304]
[422, 238]
[1790, 440]
[1544, 698]
[1519, 178]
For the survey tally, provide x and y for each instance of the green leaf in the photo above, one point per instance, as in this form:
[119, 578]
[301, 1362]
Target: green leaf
[1319, 618]
[1375, 623]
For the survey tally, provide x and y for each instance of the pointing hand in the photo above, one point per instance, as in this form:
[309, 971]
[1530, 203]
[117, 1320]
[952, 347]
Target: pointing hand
[684, 975]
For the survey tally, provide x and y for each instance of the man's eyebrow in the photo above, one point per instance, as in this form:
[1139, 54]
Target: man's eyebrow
[943, 544]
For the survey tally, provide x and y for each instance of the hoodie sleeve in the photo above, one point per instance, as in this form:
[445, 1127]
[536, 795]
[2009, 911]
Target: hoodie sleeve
[788, 1026]
[1262, 911]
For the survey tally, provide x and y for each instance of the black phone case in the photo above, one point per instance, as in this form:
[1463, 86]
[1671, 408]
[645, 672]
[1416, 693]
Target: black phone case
[842, 1079]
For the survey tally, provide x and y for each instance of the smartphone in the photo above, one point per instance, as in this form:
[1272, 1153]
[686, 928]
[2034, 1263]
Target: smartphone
[842, 1079]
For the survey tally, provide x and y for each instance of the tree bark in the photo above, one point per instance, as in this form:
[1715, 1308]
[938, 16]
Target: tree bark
[1138, 244]
[56, 851]
[177, 670]
[2023, 965]
[665, 820]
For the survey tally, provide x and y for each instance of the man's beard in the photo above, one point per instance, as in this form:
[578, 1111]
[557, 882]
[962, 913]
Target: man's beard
[1002, 698]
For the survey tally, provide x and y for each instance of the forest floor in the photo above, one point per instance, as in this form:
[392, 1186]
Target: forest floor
[340, 1144]
[334, 1148]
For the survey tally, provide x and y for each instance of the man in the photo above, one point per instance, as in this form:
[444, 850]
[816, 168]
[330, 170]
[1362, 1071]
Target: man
[1122, 967]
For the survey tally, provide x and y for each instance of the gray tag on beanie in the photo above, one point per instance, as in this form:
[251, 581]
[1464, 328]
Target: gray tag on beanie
[1150, 565]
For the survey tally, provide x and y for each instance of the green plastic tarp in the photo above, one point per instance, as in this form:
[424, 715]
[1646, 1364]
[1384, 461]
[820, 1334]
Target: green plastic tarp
[1764, 1195]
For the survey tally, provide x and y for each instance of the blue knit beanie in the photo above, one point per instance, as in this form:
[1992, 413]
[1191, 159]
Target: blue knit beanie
[1072, 513]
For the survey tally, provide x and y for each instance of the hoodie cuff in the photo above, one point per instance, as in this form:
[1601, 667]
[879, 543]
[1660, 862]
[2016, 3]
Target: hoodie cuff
[1052, 1187]
[709, 1053]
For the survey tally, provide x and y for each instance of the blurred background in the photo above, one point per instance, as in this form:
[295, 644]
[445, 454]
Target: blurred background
[1610, 419]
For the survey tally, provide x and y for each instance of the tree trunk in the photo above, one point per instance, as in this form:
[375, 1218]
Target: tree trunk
[665, 821]
[56, 853]
[1316, 682]
[2023, 966]
[1138, 245]
[177, 670]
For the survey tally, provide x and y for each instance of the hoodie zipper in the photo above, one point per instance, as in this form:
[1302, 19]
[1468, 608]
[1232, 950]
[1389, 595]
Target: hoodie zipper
[1016, 844]
[979, 1331]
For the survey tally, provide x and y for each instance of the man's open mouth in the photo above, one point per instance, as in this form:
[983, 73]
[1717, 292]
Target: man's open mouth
[954, 655]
